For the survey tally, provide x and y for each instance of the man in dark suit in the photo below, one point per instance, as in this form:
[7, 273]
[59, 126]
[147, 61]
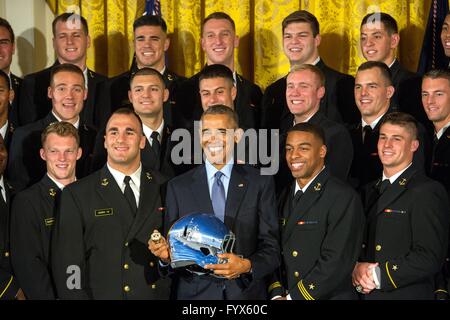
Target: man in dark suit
[70, 41]
[7, 49]
[150, 45]
[9, 286]
[218, 41]
[305, 89]
[147, 93]
[436, 103]
[6, 95]
[379, 41]
[322, 222]
[406, 233]
[301, 40]
[105, 220]
[67, 92]
[33, 211]
[247, 207]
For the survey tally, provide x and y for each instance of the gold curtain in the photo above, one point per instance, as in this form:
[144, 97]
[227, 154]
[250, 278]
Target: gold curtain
[260, 55]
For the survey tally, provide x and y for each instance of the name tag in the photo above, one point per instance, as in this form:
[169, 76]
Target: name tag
[394, 211]
[303, 222]
[49, 222]
[104, 212]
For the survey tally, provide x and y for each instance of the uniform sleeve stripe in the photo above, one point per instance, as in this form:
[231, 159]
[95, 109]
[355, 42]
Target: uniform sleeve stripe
[441, 290]
[274, 285]
[7, 286]
[389, 275]
[303, 291]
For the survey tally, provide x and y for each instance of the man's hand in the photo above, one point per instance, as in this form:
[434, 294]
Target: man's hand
[362, 276]
[234, 267]
[20, 295]
[160, 249]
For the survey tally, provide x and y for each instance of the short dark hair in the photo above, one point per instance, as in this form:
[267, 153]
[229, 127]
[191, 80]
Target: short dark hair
[6, 78]
[62, 129]
[387, 20]
[312, 68]
[438, 74]
[65, 67]
[146, 71]
[216, 71]
[219, 16]
[222, 109]
[404, 120]
[384, 69]
[302, 16]
[314, 129]
[5, 24]
[130, 112]
[151, 20]
[64, 17]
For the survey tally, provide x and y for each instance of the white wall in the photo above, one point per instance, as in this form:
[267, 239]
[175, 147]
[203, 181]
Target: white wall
[31, 21]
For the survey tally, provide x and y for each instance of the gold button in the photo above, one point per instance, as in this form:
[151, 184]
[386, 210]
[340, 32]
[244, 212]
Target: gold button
[126, 266]
[294, 253]
[6, 254]
[153, 286]
[126, 288]
[296, 274]
[378, 247]
[152, 264]
[126, 244]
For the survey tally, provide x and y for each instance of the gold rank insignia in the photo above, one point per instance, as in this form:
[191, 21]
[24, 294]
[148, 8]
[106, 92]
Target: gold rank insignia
[91, 74]
[395, 267]
[169, 76]
[318, 187]
[52, 192]
[16, 82]
[402, 182]
[311, 286]
[105, 182]
[149, 176]
[283, 221]
[240, 185]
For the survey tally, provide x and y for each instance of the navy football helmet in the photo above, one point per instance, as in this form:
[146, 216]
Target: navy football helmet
[196, 239]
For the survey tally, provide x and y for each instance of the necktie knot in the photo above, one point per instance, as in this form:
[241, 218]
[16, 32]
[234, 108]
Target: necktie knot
[127, 180]
[218, 196]
[154, 136]
[384, 185]
[218, 175]
[129, 194]
[367, 132]
[156, 145]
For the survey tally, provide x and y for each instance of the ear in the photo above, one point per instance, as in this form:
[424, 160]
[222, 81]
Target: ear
[395, 40]
[317, 40]
[323, 151]
[42, 154]
[415, 145]
[88, 42]
[79, 153]
[166, 44]
[130, 96]
[142, 142]
[202, 43]
[14, 48]
[236, 41]
[390, 91]
[238, 133]
[166, 95]
[321, 92]
[233, 92]
[50, 92]
[12, 94]
[85, 94]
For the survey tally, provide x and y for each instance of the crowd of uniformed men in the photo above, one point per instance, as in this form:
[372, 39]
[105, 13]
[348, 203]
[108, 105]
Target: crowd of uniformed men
[358, 208]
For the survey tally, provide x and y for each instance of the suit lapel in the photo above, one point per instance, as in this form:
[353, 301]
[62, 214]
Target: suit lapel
[149, 193]
[200, 191]
[236, 191]
[305, 203]
[149, 156]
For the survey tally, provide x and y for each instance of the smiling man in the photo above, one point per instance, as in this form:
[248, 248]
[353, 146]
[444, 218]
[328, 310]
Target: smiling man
[67, 92]
[239, 196]
[322, 221]
[219, 41]
[301, 40]
[70, 40]
[33, 211]
[406, 232]
[105, 220]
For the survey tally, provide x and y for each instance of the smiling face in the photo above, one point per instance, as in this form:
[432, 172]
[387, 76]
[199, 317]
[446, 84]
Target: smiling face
[148, 94]
[303, 94]
[3, 156]
[70, 43]
[6, 95]
[68, 93]
[305, 155]
[445, 35]
[372, 94]
[436, 101]
[61, 155]
[299, 44]
[123, 142]
[215, 91]
[377, 44]
[218, 41]
[396, 147]
[7, 49]
[218, 136]
[150, 44]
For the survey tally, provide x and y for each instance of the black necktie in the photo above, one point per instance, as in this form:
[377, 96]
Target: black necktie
[297, 197]
[383, 186]
[367, 133]
[156, 146]
[129, 195]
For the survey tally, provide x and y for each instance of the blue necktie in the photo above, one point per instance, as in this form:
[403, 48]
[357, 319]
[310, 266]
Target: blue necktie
[218, 196]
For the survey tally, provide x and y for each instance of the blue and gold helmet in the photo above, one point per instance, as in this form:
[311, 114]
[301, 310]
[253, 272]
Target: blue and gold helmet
[196, 239]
